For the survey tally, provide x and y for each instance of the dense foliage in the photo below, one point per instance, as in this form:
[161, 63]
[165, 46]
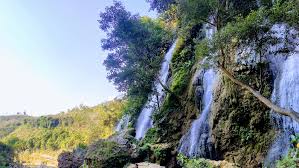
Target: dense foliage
[255, 31]
[77, 127]
[9, 123]
[161, 6]
[136, 47]
[214, 12]
[6, 155]
[292, 158]
[193, 163]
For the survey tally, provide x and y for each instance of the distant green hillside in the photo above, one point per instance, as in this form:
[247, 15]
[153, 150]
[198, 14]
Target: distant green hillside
[9, 123]
[74, 128]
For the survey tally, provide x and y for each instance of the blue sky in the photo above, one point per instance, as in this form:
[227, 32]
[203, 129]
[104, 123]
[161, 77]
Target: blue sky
[50, 54]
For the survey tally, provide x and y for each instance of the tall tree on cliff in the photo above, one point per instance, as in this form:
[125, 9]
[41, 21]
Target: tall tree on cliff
[135, 45]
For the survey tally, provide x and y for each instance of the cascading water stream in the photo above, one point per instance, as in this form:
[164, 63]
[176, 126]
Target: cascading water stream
[144, 121]
[197, 141]
[285, 94]
[123, 123]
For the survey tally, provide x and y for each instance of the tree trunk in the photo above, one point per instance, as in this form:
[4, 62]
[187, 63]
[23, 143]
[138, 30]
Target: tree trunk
[168, 90]
[291, 113]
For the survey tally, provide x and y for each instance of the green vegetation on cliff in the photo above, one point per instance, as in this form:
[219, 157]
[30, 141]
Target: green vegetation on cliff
[292, 158]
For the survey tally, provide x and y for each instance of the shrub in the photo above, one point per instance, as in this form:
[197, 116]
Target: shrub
[291, 160]
[193, 163]
[287, 162]
[151, 136]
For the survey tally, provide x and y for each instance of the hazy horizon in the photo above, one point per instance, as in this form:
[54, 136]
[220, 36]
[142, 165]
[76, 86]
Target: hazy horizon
[50, 55]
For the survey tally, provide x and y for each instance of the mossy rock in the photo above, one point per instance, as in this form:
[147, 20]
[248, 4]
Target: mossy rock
[241, 127]
[105, 153]
[114, 152]
[160, 153]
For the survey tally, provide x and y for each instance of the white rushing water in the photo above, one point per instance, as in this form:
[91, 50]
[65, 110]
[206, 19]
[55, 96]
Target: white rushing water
[123, 123]
[144, 121]
[285, 94]
[197, 141]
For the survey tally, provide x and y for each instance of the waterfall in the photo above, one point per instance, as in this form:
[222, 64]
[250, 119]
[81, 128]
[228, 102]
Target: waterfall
[123, 123]
[285, 94]
[197, 141]
[144, 121]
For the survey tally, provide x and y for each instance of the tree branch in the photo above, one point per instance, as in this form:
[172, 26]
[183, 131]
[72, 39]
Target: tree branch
[208, 22]
[291, 113]
[165, 87]
[168, 90]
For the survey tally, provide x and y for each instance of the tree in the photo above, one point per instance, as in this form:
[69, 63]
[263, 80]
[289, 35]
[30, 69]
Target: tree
[6, 155]
[136, 46]
[214, 12]
[161, 5]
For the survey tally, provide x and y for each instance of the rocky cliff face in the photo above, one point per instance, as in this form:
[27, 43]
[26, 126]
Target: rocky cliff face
[241, 129]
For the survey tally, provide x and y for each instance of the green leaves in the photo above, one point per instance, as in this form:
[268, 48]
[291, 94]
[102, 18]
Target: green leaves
[193, 162]
[285, 12]
[202, 50]
[6, 155]
[161, 5]
[78, 127]
[254, 31]
[291, 159]
[136, 46]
